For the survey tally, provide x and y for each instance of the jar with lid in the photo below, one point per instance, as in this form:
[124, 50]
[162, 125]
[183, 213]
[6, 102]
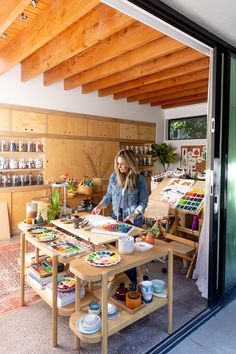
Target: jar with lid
[38, 146]
[133, 297]
[13, 146]
[22, 146]
[13, 163]
[39, 178]
[121, 292]
[38, 163]
[4, 146]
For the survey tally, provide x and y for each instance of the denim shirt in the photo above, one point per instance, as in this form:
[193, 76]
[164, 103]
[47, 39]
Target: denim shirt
[135, 199]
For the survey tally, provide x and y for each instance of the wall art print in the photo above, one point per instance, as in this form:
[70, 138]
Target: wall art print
[193, 159]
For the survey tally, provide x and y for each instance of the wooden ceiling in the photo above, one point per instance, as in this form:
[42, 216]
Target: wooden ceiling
[88, 44]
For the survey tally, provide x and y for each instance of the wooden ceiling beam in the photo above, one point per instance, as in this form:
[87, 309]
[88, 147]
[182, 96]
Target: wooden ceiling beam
[147, 52]
[10, 10]
[119, 43]
[99, 24]
[186, 93]
[183, 102]
[191, 67]
[167, 61]
[175, 81]
[170, 90]
[53, 20]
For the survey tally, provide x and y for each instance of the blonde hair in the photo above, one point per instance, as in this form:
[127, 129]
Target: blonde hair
[129, 159]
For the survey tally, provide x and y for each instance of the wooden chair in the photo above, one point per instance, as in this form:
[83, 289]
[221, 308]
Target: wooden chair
[185, 249]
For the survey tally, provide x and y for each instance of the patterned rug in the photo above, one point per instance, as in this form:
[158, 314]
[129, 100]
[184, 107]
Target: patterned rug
[10, 281]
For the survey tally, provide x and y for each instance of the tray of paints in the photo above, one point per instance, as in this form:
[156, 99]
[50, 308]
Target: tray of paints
[192, 201]
[121, 229]
[103, 258]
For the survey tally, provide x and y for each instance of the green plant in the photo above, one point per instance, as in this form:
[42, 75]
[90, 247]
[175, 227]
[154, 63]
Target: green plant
[165, 154]
[157, 230]
[54, 207]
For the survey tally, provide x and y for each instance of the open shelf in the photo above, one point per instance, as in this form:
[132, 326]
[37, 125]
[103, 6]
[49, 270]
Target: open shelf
[116, 324]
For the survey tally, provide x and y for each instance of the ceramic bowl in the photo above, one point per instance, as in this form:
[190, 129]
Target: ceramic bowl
[111, 309]
[90, 321]
[158, 286]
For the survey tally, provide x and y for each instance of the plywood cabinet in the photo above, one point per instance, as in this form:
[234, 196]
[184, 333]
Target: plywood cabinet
[147, 132]
[129, 131]
[4, 119]
[28, 122]
[105, 129]
[64, 125]
[79, 158]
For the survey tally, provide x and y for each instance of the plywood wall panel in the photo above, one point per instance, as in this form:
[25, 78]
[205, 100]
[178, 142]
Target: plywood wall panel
[79, 158]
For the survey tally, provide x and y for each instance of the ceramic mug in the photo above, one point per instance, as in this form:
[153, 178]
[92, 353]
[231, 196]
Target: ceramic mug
[147, 290]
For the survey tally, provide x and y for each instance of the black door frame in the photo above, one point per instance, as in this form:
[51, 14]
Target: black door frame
[220, 103]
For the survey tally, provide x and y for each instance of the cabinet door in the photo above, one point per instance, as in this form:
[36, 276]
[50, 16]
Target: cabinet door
[147, 132]
[99, 128]
[77, 126]
[30, 122]
[4, 119]
[129, 131]
[57, 124]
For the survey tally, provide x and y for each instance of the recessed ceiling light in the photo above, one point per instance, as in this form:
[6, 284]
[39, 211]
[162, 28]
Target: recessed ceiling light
[34, 3]
[23, 16]
[4, 35]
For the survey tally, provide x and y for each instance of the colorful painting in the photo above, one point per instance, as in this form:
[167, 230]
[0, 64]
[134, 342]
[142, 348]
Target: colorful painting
[193, 159]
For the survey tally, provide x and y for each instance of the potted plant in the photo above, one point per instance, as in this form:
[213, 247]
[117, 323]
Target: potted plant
[165, 154]
[157, 231]
[54, 207]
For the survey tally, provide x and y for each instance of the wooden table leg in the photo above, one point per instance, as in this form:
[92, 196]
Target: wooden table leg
[77, 307]
[22, 269]
[104, 312]
[36, 255]
[170, 291]
[54, 301]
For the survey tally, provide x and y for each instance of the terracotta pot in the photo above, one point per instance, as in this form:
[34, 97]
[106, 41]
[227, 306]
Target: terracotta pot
[150, 239]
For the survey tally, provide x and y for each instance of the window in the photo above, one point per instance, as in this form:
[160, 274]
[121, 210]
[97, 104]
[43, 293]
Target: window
[187, 128]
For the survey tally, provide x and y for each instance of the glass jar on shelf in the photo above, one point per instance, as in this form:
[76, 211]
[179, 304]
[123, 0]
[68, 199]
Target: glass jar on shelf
[13, 164]
[4, 145]
[38, 163]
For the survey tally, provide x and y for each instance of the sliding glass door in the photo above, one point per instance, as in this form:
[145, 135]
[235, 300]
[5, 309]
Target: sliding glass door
[230, 255]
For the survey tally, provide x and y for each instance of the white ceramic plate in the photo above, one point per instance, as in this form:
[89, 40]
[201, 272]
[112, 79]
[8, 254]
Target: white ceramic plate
[142, 246]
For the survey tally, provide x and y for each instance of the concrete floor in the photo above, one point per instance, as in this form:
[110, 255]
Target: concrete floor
[216, 336]
[28, 331]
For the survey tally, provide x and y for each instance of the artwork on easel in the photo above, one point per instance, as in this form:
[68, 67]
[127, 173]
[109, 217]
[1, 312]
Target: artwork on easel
[193, 159]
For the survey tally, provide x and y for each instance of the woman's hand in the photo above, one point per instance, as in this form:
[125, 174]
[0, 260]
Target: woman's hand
[96, 210]
[130, 218]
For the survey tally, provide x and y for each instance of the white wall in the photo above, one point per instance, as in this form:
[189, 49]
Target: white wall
[182, 112]
[34, 94]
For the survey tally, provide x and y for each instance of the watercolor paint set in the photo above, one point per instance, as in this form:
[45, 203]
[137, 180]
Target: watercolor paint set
[192, 201]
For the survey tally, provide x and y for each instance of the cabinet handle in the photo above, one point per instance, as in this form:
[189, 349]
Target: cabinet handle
[25, 129]
[32, 129]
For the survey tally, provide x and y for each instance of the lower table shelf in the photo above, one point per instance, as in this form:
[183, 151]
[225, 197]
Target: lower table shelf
[116, 324]
[62, 311]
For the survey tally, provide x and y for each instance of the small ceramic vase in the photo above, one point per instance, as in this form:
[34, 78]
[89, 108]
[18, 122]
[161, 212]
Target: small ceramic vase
[150, 239]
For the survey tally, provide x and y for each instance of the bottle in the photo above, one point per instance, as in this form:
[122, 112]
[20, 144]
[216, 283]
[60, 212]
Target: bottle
[121, 292]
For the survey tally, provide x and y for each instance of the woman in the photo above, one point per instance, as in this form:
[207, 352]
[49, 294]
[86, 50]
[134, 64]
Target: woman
[127, 191]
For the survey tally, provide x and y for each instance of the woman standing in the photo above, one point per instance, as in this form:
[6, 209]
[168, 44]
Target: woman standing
[127, 191]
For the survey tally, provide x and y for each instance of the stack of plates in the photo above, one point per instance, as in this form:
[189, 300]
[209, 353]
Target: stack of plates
[112, 311]
[89, 324]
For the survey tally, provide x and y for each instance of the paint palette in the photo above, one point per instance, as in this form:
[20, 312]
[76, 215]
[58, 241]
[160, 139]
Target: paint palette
[192, 201]
[120, 229]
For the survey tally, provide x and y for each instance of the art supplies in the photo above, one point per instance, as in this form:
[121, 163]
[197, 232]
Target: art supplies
[113, 229]
[192, 201]
[103, 258]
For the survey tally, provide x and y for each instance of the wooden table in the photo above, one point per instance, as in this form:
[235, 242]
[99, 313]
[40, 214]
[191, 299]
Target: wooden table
[85, 271]
[50, 300]
[95, 239]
